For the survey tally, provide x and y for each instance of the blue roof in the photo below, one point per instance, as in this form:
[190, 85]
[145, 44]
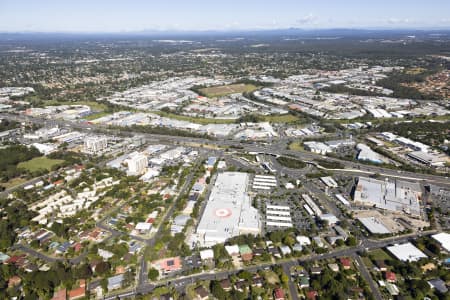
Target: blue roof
[115, 280]
[211, 160]
[53, 245]
[63, 247]
[3, 257]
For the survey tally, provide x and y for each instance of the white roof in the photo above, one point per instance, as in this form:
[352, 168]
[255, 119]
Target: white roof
[406, 252]
[143, 226]
[265, 177]
[303, 240]
[394, 195]
[332, 219]
[342, 199]
[285, 249]
[206, 254]
[232, 249]
[261, 187]
[374, 225]
[278, 207]
[229, 211]
[278, 212]
[366, 153]
[264, 180]
[278, 224]
[444, 239]
[279, 218]
[329, 181]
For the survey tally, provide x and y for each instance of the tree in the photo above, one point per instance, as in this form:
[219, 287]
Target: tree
[217, 290]
[104, 284]
[245, 275]
[276, 236]
[289, 240]
[284, 279]
[102, 268]
[340, 243]
[153, 274]
[83, 272]
[351, 241]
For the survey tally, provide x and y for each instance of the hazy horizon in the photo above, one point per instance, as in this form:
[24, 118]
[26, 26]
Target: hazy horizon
[114, 16]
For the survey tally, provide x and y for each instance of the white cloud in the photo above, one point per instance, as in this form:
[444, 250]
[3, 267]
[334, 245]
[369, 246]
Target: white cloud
[309, 19]
[399, 21]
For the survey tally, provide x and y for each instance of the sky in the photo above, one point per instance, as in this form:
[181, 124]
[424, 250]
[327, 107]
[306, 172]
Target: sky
[176, 15]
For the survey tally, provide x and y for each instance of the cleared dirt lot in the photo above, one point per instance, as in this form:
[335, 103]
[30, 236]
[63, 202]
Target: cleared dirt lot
[390, 220]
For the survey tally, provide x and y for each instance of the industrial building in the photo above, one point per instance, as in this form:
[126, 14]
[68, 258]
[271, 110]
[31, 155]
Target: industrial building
[329, 181]
[443, 238]
[311, 206]
[342, 199]
[228, 212]
[397, 195]
[374, 226]
[317, 147]
[429, 159]
[406, 252]
[367, 154]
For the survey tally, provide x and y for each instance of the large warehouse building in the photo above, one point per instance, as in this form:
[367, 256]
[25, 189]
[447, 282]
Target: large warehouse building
[398, 195]
[228, 212]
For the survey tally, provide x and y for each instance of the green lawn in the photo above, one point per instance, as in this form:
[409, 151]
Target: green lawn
[287, 118]
[198, 120]
[271, 277]
[379, 254]
[40, 163]
[13, 182]
[223, 90]
[296, 146]
[391, 120]
[96, 116]
[367, 262]
[94, 105]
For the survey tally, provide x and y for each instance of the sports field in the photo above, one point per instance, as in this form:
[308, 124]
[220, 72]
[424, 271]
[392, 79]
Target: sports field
[40, 163]
[223, 90]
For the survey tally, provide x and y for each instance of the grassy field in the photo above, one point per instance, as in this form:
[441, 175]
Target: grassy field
[13, 182]
[379, 254]
[197, 120]
[288, 118]
[40, 163]
[367, 262]
[391, 120]
[296, 146]
[96, 116]
[271, 277]
[223, 90]
[94, 105]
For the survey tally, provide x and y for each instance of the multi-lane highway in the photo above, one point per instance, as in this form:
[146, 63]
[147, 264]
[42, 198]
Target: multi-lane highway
[275, 147]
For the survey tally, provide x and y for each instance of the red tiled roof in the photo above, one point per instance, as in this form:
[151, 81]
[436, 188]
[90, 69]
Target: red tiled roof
[60, 295]
[390, 276]
[279, 293]
[77, 293]
[345, 262]
[311, 295]
[13, 281]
